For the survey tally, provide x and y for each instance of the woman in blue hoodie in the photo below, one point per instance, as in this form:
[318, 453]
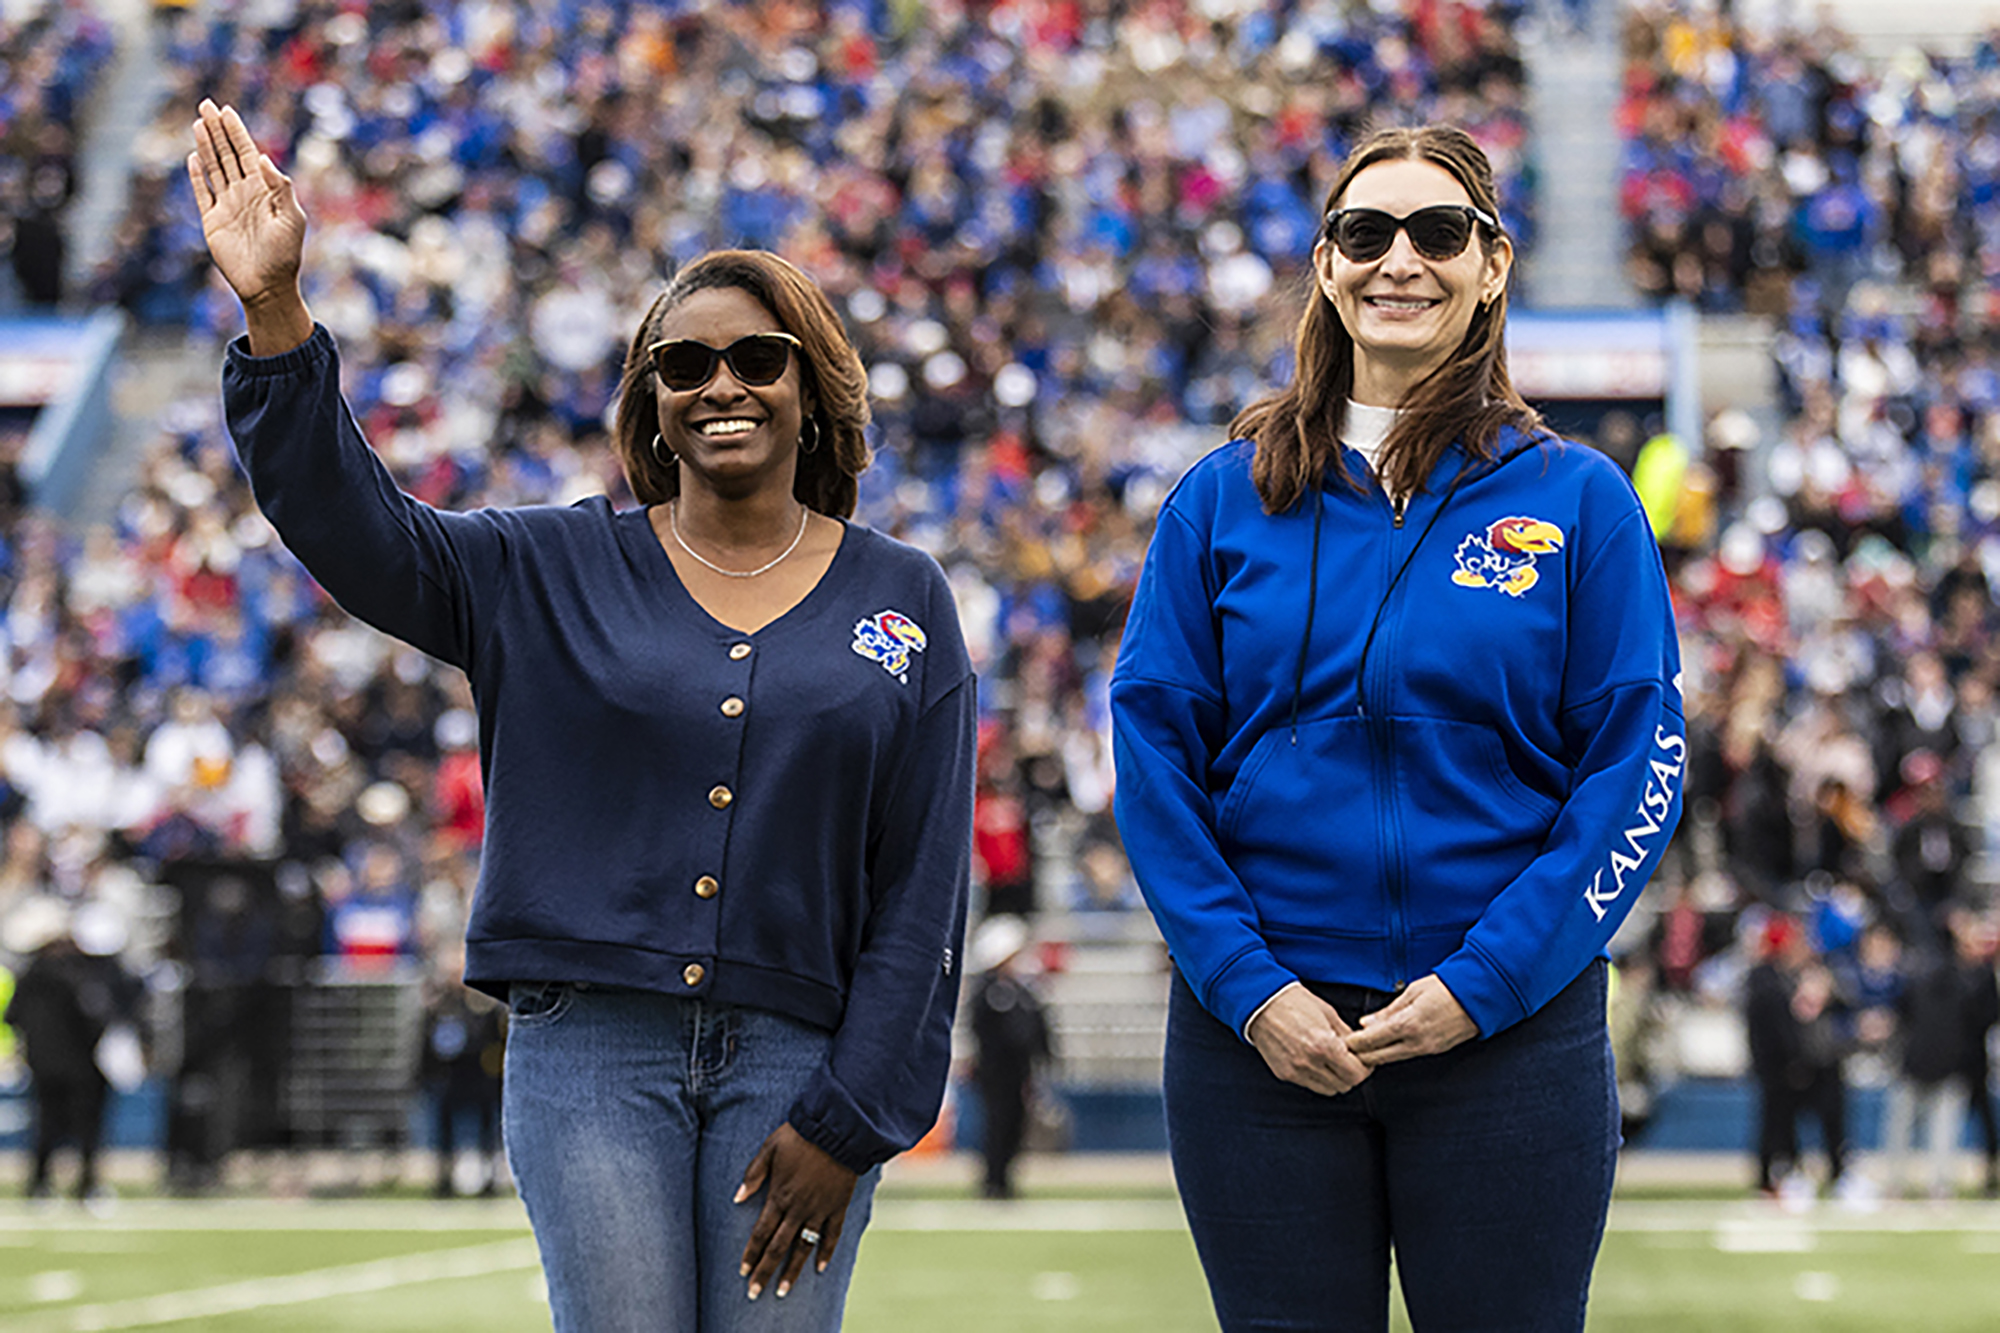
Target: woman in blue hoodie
[1399, 739]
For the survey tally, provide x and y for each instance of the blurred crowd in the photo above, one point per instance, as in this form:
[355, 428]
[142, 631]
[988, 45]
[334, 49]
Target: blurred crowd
[1067, 236]
[1757, 156]
[1064, 269]
[1835, 584]
[49, 60]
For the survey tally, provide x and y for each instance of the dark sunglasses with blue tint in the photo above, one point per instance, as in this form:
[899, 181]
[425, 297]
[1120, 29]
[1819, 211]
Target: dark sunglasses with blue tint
[1439, 232]
[685, 365]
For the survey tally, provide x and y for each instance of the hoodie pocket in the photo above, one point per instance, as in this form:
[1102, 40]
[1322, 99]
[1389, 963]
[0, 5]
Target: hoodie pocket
[1299, 825]
[1470, 825]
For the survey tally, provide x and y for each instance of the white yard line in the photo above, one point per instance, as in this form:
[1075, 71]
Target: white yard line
[296, 1289]
[20, 1226]
[230, 1215]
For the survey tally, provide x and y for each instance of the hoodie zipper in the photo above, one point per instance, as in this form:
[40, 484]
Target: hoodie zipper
[1381, 730]
[1382, 741]
[1382, 727]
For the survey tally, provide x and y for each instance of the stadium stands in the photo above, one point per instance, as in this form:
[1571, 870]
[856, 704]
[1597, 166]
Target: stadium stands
[50, 57]
[1066, 271]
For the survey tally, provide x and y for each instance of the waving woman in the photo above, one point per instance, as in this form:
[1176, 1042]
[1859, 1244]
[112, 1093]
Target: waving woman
[728, 745]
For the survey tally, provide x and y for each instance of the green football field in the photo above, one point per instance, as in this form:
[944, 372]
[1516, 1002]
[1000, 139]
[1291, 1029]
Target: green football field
[1054, 1264]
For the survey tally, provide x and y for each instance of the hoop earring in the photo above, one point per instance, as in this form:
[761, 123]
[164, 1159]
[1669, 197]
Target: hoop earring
[812, 448]
[662, 455]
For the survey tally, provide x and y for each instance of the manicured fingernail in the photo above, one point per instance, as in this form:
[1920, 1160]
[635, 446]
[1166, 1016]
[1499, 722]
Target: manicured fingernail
[742, 1193]
[755, 1291]
[784, 1290]
[743, 1270]
[822, 1266]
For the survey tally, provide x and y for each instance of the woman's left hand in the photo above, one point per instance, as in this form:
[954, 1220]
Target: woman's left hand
[1426, 1019]
[809, 1192]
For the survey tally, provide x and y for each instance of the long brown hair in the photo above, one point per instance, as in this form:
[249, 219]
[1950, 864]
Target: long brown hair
[1469, 398]
[830, 372]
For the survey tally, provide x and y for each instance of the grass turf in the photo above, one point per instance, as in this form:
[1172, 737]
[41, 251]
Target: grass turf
[1666, 1268]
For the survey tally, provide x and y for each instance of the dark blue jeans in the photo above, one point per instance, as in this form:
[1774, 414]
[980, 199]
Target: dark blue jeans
[1487, 1170]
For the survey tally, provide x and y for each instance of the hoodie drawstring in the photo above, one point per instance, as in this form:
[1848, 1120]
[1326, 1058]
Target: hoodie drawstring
[1312, 605]
[1312, 588]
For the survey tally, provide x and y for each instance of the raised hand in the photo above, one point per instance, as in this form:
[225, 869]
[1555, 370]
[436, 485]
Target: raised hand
[254, 226]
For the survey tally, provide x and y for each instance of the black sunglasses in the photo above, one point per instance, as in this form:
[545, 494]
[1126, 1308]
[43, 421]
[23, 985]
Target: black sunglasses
[1440, 232]
[684, 364]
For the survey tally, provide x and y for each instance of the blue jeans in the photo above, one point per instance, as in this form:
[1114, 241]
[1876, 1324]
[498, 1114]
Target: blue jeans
[630, 1117]
[1487, 1169]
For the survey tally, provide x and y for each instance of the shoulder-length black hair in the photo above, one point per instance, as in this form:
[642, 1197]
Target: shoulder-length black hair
[831, 374]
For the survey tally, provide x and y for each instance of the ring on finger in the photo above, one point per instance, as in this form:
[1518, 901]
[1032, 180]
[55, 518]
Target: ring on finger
[809, 1236]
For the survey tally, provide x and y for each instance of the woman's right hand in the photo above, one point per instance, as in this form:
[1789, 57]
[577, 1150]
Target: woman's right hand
[1304, 1041]
[255, 229]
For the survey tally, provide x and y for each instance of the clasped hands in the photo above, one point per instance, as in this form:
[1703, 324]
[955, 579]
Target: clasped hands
[1305, 1041]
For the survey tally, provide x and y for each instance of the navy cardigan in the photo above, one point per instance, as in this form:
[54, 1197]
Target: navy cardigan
[779, 819]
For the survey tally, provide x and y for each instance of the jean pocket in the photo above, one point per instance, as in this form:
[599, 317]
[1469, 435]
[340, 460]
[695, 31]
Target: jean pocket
[538, 1002]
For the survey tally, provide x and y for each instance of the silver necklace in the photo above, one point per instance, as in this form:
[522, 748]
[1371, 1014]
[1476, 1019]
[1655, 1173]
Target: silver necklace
[674, 523]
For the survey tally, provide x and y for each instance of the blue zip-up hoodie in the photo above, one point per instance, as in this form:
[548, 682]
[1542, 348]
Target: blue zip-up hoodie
[1355, 748]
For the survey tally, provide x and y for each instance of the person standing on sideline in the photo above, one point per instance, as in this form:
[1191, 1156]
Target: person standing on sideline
[463, 1066]
[1399, 739]
[1973, 940]
[1012, 1036]
[64, 1001]
[1927, 1097]
[1772, 1034]
[1797, 1054]
[728, 740]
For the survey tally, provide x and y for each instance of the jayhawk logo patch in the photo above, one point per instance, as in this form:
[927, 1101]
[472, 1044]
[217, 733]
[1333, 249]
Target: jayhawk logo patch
[1504, 556]
[889, 637]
